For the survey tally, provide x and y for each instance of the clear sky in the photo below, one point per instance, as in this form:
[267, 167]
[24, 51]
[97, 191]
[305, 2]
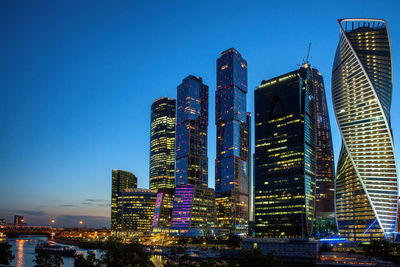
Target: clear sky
[77, 79]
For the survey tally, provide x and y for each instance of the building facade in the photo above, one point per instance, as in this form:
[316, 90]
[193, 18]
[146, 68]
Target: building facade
[163, 210]
[162, 144]
[191, 132]
[19, 220]
[194, 211]
[285, 155]
[232, 164]
[366, 178]
[136, 209]
[121, 180]
[325, 170]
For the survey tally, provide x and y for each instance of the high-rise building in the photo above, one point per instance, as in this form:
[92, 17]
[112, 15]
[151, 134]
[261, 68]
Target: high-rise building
[285, 155]
[3, 223]
[19, 220]
[325, 170]
[232, 164]
[366, 178]
[162, 144]
[121, 180]
[191, 132]
[194, 204]
[136, 208]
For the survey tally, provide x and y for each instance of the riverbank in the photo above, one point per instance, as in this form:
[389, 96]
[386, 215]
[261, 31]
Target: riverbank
[79, 243]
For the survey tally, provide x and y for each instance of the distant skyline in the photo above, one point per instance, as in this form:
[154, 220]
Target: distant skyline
[77, 80]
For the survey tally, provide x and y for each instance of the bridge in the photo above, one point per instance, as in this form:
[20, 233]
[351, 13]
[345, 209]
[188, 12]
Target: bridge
[25, 230]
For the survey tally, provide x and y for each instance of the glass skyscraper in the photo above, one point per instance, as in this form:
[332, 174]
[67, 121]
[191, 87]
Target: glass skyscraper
[232, 166]
[366, 178]
[193, 210]
[325, 169]
[121, 180]
[285, 155]
[162, 144]
[191, 132]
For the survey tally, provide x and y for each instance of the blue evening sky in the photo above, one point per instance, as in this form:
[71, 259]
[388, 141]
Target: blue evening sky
[77, 79]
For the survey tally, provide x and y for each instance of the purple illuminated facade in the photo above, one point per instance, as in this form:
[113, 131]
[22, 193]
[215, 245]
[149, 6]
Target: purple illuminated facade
[232, 166]
[193, 213]
[182, 209]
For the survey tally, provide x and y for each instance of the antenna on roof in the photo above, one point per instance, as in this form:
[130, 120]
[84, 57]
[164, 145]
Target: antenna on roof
[305, 62]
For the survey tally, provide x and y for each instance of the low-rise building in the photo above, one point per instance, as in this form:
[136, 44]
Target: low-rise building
[331, 259]
[136, 210]
[291, 251]
[193, 213]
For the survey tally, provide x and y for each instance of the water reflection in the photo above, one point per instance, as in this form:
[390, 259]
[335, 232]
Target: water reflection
[20, 252]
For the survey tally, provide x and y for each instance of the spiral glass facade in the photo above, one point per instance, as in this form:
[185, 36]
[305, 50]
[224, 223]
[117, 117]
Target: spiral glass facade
[366, 186]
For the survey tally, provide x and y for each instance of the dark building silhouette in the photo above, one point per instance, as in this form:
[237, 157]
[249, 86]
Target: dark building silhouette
[325, 170]
[285, 155]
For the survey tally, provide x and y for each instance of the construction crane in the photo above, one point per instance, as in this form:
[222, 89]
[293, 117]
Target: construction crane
[308, 52]
[305, 62]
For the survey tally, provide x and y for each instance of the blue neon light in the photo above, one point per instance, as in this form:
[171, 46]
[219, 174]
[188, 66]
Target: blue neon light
[333, 239]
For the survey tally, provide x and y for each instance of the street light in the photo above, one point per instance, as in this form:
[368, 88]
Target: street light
[52, 234]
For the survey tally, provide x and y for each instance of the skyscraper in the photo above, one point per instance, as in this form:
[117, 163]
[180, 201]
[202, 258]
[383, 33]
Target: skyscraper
[285, 155]
[121, 180]
[232, 162]
[193, 210]
[325, 170]
[162, 144]
[366, 178]
[191, 132]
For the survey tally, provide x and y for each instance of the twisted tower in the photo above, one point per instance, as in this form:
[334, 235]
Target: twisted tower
[366, 185]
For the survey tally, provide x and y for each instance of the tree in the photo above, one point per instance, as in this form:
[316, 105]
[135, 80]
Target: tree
[44, 259]
[5, 253]
[378, 248]
[89, 261]
[257, 258]
[118, 254]
[234, 241]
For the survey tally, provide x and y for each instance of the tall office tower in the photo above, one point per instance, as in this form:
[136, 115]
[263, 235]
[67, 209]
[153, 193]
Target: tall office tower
[162, 144]
[136, 208]
[325, 171]
[249, 167]
[121, 180]
[191, 132]
[232, 162]
[285, 155]
[194, 201]
[366, 178]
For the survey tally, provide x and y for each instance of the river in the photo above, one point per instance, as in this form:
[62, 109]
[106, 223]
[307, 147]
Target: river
[23, 249]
